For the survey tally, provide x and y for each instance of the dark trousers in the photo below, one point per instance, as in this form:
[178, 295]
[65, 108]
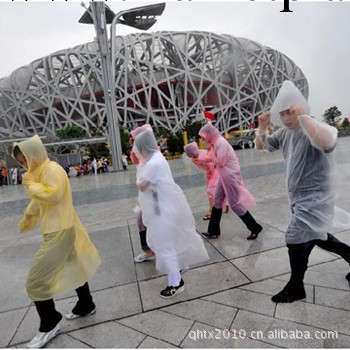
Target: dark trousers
[49, 316]
[299, 257]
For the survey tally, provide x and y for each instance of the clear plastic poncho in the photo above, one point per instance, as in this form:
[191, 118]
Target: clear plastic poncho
[230, 184]
[287, 96]
[204, 162]
[67, 258]
[171, 231]
[133, 134]
[310, 170]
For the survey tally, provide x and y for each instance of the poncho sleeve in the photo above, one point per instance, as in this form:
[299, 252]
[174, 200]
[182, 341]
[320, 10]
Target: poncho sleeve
[52, 187]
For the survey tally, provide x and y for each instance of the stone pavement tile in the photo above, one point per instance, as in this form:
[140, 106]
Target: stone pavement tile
[117, 266]
[345, 235]
[275, 212]
[315, 315]
[62, 341]
[203, 336]
[244, 299]
[198, 282]
[336, 298]
[65, 341]
[281, 333]
[15, 262]
[235, 244]
[323, 279]
[9, 322]
[109, 335]
[160, 325]
[204, 311]
[274, 262]
[152, 343]
[273, 286]
[105, 215]
[111, 303]
[339, 266]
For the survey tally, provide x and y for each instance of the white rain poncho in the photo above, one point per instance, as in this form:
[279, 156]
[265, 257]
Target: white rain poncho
[67, 258]
[310, 170]
[171, 232]
[231, 184]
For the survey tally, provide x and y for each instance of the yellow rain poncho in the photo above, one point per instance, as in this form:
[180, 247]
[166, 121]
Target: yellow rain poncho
[67, 258]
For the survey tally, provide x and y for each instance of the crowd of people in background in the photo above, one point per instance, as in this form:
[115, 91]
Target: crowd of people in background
[92, 166]
[12, 176]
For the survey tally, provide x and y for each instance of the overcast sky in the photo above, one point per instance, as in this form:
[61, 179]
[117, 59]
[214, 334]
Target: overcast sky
[315, 35]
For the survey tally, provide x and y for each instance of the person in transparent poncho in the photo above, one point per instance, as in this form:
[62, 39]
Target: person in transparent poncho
[147, 254]
[201, 159]
[230, 184]
[307, 146]
[67, 258]
[171, 232]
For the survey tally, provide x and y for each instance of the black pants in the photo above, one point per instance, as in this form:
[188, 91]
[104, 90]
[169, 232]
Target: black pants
[49, 316]
[299, 257]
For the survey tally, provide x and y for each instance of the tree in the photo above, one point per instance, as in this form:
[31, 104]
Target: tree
[70, 132]
[332, 115]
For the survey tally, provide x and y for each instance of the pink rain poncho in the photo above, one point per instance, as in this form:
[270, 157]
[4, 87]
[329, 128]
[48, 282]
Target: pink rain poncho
[310, 174]
[230, 182]
[67, 258]
[204, 162]
[171, 231]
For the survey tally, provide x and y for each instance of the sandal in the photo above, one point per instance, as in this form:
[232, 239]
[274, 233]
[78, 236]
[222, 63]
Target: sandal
[207, 216]
[226, 209]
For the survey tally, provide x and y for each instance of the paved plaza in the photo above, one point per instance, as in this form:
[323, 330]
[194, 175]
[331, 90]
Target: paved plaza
[227, 300]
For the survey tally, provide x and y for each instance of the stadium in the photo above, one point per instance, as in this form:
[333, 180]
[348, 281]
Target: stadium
[163, 78]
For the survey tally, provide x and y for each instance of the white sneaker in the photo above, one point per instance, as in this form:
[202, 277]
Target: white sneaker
[144, 257]
[42, 338]
[71, 316]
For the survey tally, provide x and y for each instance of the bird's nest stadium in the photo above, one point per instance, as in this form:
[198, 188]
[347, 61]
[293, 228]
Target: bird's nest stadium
[163, 78]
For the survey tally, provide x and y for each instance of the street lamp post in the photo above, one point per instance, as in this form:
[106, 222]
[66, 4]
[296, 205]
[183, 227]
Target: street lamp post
[99, 14]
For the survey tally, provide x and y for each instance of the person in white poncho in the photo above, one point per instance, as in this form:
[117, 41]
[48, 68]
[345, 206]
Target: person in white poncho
[171, 232]
[307, 146]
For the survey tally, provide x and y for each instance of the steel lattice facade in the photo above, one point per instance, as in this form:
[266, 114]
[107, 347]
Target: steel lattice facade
[164, 78]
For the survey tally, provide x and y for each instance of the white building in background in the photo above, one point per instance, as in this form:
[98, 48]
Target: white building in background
[163, 78]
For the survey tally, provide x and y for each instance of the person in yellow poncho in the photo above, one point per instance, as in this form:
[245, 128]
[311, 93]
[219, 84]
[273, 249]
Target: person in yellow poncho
[67, 258]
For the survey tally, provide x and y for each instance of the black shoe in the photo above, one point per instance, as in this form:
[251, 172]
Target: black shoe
[81, 310]
[170, 291]
[286, 296]
[210, 235]
[255, 233]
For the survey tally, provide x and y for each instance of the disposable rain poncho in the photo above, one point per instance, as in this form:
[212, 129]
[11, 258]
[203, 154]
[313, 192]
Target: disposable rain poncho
[67, 258]
[231, 182]
[133, 134]
[310, 170]
[204, 162]
[171, 232]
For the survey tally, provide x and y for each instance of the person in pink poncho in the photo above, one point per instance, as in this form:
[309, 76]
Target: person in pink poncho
[201, 159]
[230, 184]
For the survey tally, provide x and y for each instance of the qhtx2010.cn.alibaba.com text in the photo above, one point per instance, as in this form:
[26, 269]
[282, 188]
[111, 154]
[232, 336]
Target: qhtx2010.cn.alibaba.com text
[275, 334]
